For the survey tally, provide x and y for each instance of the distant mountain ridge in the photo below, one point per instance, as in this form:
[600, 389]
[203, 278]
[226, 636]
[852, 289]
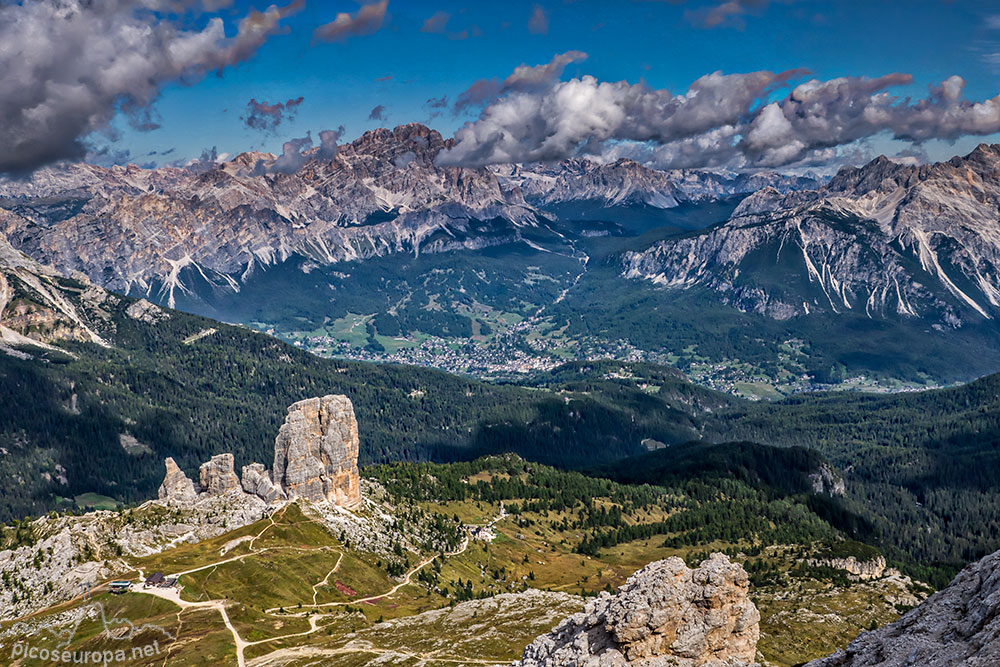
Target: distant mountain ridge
[135, 230]
[37, 304]
[628, 182]
[153, 232]
[886, 239]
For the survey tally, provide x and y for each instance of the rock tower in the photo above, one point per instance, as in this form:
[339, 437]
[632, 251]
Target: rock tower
[176, 486]
[316, 452]
[217, 476]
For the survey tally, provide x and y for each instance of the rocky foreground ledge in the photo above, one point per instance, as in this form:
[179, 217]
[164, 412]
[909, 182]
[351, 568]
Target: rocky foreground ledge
[958, 625]
[666, 614]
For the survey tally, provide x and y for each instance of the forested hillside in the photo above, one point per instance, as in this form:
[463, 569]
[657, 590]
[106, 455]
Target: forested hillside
[926, 464]
[101, 419]
[919, 468]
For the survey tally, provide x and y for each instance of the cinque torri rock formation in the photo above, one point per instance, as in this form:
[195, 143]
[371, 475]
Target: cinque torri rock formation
[257, 480]
[666, 615]
[217, 476]
[316, 451]
[315, 458]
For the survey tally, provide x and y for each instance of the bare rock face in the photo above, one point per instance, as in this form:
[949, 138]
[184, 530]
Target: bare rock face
[257, 481]
[866, 570]
[887, 240]
[958, 625]
[217, 476]
[316, 451]
[176, 487]
[666, 614]
[144, 311]
[827, 480]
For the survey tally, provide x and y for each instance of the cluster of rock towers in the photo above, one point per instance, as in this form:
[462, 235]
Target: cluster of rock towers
[315, 458]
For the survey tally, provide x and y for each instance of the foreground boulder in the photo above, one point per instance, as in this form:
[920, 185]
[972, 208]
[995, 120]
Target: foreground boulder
[176, 487]
[316, 452]
[666, 614]
[958, 625]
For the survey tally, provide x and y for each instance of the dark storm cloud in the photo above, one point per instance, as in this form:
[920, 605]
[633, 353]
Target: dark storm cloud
[68, 67]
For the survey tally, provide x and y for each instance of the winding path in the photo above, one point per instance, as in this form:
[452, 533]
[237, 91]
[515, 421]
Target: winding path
[173, 595]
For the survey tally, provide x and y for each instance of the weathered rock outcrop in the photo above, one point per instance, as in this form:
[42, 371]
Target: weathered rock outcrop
[257, 481]
[147, 312]
[959, 625]
[176, 486]
[217, 476]
[666, 614]
[827, 480]
[316, 451]
[36, 307]
[865, 570]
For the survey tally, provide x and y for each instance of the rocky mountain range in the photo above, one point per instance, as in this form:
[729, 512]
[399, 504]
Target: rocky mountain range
[38, 305]
[886, 240]
[152, 232]
[141, 231]
[626, 182]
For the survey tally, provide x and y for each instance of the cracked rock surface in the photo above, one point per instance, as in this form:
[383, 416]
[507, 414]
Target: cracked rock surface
[666, 614]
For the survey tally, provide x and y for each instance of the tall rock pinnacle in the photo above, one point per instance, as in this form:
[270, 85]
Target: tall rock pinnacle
[177, 486]
[316, 451]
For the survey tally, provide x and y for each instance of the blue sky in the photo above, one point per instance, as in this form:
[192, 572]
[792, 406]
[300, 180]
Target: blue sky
[665, 44]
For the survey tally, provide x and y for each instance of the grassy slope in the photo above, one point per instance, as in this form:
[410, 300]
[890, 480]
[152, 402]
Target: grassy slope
[533, 548]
